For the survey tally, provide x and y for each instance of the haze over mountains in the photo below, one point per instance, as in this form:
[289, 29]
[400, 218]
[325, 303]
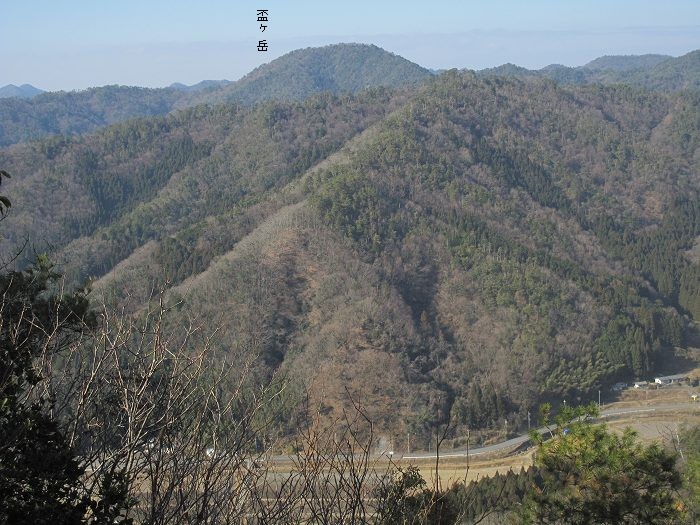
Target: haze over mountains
[464, 243]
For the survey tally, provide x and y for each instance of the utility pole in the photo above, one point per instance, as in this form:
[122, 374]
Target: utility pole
[598, 398]
[678, 440]
[408, 441]
[528, 420]
[467, 449]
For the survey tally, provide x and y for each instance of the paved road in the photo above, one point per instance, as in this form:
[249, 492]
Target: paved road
[517, 441]
[514, 442]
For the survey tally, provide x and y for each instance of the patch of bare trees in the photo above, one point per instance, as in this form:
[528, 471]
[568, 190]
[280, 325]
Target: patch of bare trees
[169, 431]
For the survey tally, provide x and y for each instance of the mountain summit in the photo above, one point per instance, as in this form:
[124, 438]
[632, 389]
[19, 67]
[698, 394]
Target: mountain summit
[23, 91]
[338, 68]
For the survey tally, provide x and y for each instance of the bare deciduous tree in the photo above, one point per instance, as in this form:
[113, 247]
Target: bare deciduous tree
[169, 431]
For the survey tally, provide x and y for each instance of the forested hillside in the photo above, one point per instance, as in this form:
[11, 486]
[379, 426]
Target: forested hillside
[470, 247]
[77, 112]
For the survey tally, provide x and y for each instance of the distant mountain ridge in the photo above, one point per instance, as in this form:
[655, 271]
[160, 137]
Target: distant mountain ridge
[338, 68]
[655, 72]
[200, 86]
[625, 62]
[295, 76]
[23, 91]
[78, 112]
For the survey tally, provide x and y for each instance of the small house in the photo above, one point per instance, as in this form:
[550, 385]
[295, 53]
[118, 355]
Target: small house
[670, 380]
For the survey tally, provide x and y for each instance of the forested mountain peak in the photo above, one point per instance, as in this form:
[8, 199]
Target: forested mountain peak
[337, 68]
[23, 91]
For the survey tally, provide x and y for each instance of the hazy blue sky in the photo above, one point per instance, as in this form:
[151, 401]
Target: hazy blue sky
[73, 44]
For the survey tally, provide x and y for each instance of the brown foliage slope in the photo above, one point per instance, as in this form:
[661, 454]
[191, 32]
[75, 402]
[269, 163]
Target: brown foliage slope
[469, 249]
